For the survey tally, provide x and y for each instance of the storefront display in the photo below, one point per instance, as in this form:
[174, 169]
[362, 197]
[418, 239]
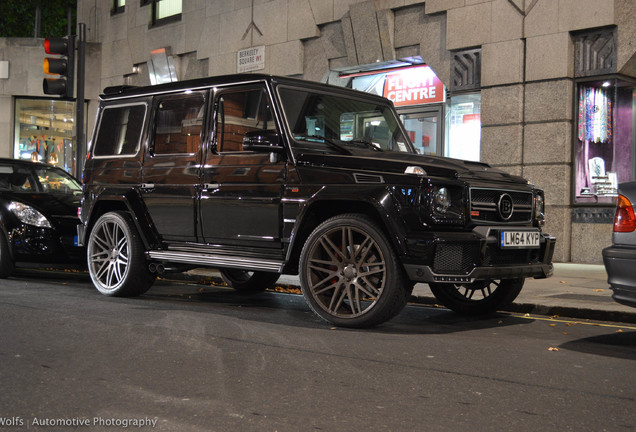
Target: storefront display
[464, 127]
[44, 132]
[605, 140]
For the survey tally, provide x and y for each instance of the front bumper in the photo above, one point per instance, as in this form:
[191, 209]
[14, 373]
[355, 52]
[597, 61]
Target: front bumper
[469, 257]
[44, 245]
[619, 263]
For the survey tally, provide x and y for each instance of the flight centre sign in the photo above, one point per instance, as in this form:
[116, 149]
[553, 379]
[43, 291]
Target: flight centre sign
[414, 86]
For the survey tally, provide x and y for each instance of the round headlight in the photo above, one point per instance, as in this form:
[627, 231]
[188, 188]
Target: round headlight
[442, 200]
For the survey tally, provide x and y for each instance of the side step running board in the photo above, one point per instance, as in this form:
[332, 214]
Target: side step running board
[217, 260]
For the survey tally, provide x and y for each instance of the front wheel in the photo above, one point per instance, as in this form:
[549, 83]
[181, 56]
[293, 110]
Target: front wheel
[116, 257]
[478, 298]
[349, 273]
[245, 281]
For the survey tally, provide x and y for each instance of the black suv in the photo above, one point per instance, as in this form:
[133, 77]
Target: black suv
[259, 175]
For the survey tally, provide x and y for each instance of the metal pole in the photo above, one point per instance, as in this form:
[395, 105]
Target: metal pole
[69, 17]
[80, 149]
[38, 19]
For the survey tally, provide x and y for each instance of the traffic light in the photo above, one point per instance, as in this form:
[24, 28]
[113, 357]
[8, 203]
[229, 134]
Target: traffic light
[62, 66]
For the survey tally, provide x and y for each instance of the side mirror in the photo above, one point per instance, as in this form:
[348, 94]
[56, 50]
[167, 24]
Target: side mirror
[267, 141]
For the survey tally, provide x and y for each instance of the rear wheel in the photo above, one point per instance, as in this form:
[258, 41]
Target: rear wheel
[478, 298]
[6, 262]
[116, 257]
[249, 281]
[349, 273]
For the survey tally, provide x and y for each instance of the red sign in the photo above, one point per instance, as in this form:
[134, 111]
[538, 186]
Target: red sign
[414, 86]
[470, 118]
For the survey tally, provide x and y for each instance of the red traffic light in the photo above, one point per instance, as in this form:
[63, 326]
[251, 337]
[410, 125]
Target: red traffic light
[56, 46]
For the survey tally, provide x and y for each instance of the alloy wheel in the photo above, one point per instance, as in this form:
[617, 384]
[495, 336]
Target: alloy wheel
[346, 272]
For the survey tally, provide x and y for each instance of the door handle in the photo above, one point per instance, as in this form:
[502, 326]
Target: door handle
[147, 186]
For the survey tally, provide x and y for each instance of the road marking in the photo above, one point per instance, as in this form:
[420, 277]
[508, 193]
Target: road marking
[573, 321]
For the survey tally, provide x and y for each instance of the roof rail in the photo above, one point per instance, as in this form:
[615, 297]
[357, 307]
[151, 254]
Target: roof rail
[117, 89]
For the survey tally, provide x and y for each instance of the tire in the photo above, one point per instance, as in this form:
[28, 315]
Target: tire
[350, 274]
[6, 261]
[478, 298]
[245, 281]
[116, 257]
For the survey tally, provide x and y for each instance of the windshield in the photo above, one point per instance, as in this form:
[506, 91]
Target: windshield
[341, 123]
[20, 178]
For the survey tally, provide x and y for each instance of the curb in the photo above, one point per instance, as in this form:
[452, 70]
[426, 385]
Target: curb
[581, 313]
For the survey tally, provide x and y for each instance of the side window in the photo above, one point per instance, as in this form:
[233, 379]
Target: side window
[22, 180]
[178, 123]
[119, 130]
[240, 112]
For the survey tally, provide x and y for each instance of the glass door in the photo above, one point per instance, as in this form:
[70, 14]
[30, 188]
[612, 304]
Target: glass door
[424, 127]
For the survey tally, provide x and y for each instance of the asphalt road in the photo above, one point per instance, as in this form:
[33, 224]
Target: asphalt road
[192, 358]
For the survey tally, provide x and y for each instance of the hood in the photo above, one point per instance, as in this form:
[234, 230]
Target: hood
[396, 162]
[46, 203]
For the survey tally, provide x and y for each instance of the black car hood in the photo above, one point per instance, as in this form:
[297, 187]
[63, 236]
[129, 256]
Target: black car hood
[46, 203]
[396, 162]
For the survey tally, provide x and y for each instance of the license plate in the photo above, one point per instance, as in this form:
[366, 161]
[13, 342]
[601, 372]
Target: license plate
[519, 239]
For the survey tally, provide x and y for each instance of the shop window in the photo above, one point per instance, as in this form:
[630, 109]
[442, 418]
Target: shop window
[163, 11]
[463, 127]
[44, 132]
[604, 140]
[117, 6]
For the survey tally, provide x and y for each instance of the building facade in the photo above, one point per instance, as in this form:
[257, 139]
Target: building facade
[540, 88]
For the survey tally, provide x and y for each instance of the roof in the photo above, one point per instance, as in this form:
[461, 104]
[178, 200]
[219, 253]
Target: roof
[117, 92]
[23, 162]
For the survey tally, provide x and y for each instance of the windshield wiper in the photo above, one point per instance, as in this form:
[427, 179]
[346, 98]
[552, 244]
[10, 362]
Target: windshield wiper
[370, 144]
[322, 139]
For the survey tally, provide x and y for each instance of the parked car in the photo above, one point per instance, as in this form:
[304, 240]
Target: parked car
[38, 215]
[260, 175]
[620, 258]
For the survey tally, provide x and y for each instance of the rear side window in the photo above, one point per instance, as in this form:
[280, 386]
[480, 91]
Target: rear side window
[178, 123]
[120, 130]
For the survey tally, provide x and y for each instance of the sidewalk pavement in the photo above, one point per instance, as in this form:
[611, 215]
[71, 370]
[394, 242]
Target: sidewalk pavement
[576, 291]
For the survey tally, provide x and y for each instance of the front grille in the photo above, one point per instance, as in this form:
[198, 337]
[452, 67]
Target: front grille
[455, 257]
[461, 258]
[484, 202]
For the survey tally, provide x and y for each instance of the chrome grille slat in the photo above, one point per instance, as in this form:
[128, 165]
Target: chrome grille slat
[484, 201]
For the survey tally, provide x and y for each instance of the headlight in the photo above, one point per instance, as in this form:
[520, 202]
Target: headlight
[442, 199]
[539, 208]
[29, 215]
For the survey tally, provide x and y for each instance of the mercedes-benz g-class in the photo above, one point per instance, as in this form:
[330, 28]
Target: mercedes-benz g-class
[259, 175]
